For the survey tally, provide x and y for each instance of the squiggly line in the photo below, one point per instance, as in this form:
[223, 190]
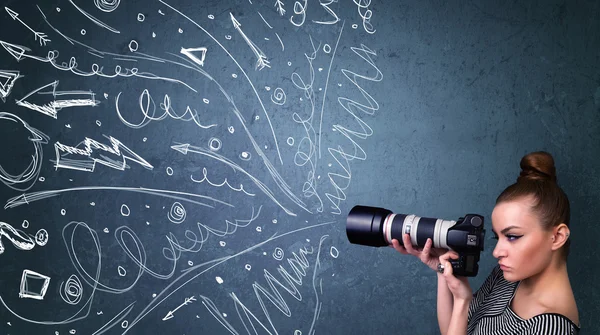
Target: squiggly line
[225, 182]
[353, 107]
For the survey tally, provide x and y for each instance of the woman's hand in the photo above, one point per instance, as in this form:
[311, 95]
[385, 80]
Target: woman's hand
[427, 254]
[459, 286]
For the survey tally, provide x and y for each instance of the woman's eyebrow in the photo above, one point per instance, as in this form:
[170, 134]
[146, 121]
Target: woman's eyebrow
[505, 229]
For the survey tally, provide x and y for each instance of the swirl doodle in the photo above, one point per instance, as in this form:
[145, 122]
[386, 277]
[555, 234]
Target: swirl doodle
[278, 254]
[71, 291]
[278, 96]
[107, 5]
[177, 213]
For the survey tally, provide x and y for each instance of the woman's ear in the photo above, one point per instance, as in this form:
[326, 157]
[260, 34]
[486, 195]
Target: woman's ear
[560, 234]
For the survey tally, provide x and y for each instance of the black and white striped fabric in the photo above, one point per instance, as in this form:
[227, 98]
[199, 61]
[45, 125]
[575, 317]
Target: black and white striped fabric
[490, 312]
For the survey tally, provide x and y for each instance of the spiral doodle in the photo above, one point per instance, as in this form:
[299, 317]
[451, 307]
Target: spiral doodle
[278, 254]
[71, 291]
[107, 5]
[177, 213]
[278, 96]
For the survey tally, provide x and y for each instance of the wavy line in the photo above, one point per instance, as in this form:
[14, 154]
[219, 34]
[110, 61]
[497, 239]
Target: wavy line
[225, 182]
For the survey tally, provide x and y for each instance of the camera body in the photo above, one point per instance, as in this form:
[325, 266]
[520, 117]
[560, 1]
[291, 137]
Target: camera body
[377, 227]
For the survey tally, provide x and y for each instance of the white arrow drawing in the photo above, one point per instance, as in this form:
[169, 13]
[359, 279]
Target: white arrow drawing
[19, 52]
[15, 16]
[279, 6]
[51, 109]
[91, 148]
[170, 314]
[262, 58]
[6, 86]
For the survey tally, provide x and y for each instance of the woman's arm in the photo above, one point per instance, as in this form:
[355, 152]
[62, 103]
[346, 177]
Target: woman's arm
[444, 304]
[458, 320]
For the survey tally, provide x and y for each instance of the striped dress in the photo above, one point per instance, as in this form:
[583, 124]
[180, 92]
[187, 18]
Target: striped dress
[490, 312]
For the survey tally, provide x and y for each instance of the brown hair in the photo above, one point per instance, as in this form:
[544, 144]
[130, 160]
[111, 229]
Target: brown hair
[538, 180]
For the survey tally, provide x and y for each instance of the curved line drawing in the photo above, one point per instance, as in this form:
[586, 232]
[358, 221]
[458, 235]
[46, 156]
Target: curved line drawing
[35, 196]
[115, 320]
[95, 20]
[32, 172]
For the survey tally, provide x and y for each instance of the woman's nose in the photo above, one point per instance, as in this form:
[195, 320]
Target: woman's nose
[498, 250]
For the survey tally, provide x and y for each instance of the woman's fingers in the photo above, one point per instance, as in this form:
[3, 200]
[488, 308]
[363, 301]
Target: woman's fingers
[450, 254]
[407, 244]
[426, 250]
[398, 247]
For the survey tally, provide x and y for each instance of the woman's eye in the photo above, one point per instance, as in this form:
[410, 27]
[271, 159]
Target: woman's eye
[509, 237]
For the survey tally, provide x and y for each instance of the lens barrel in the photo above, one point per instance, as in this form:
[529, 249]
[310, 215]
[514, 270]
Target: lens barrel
[364, 225]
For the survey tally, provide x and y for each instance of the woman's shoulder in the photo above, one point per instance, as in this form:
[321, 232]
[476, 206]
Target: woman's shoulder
[554, 323]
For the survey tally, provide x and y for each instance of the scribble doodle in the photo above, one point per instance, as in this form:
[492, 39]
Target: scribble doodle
[177, 213]
[107, 5]
[71, 291]
[25, 180]
[174, 259]
[199, 269]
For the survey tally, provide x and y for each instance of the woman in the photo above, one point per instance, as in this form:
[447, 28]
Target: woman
[528, 292]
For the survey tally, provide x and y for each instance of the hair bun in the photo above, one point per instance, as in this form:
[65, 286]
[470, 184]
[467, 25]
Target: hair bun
[537, 165]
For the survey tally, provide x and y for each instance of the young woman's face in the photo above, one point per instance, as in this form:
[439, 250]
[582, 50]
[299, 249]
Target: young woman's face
[523, 248]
